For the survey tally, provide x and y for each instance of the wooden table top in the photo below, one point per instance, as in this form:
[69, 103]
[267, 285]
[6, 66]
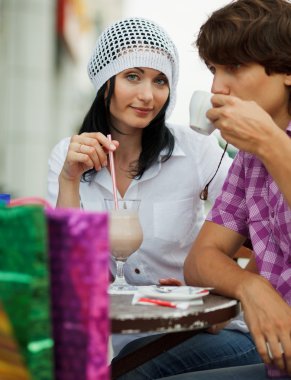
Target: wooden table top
[127, 318]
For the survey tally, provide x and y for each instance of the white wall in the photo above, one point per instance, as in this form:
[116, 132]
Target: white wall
[39, 104]
[26, 51]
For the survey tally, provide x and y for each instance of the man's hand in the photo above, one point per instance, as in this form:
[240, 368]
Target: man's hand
[268, 317]
[242, 123]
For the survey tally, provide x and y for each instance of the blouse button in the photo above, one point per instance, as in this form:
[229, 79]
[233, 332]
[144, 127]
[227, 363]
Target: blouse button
[137, 271]
[272, 214]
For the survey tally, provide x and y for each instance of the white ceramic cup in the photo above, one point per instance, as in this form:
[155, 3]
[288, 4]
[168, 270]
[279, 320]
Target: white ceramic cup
[199, 104]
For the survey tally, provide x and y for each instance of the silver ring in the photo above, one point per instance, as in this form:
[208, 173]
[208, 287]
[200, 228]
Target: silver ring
[270, 352]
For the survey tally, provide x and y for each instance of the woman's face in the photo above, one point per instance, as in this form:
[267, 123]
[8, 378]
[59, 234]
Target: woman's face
[139, 95]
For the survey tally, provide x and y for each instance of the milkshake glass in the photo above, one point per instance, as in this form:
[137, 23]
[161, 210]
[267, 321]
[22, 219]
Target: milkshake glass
[126, 236]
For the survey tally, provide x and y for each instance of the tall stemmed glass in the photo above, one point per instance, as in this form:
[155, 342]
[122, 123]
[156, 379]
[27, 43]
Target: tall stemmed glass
[125, 236]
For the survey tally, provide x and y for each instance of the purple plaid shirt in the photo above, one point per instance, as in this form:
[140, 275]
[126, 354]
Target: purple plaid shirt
[252, 205]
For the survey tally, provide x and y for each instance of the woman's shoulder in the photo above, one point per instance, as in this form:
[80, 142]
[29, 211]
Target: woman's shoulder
[62, 144]
[182, 131]
[59, 151]
[179, 129]
[186, 136]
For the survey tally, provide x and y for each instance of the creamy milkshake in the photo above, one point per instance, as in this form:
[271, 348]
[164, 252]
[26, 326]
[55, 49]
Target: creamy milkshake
[126, 236]
[125, 233]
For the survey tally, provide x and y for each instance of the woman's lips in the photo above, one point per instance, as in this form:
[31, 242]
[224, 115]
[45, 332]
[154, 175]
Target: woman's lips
[142, 111]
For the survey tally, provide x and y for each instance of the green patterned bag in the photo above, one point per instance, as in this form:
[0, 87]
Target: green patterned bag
[24, 284]
[12, 366]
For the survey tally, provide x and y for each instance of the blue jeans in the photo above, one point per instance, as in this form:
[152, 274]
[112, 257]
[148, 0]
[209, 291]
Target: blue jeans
[249, 372]
[201, 352]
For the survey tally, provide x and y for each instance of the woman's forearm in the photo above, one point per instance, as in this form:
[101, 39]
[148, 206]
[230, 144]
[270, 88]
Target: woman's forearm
[68, 196]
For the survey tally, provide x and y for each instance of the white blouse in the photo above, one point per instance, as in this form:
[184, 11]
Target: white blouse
[171, 212]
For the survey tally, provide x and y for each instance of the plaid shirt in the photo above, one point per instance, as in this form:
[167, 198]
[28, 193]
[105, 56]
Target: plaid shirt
[252, 205]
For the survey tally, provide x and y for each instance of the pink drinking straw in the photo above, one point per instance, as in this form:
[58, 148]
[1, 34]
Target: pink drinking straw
[112, 169]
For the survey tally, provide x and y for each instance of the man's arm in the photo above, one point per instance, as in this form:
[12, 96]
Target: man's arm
[275, 153]
[210, 262]
[267, 315]
[247, 126]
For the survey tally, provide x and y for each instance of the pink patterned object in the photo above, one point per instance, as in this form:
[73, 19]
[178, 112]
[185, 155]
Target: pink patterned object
[273, 372]
[79, 254]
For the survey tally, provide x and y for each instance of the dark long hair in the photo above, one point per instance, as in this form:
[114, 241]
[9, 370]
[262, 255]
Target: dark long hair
[155, 137]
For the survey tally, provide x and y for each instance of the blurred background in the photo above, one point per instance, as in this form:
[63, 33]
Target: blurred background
[45, 92]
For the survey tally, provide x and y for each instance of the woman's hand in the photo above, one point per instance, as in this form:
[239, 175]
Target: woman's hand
[170, 282]
[86, 151]
[214, 329]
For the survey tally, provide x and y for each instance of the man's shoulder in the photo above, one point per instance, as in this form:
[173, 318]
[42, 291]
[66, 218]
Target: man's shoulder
[248, 161]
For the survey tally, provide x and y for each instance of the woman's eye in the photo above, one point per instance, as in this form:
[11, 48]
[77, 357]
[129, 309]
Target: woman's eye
[162, 81]
[132, 77]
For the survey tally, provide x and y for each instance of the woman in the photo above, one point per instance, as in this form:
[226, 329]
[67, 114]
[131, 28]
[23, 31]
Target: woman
[134, 69]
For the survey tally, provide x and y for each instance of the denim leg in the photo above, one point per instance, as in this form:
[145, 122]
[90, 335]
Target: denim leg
[201, 352]
[249, 372]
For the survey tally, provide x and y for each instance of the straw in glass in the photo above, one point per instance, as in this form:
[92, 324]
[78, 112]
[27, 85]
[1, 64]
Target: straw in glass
[112, 170]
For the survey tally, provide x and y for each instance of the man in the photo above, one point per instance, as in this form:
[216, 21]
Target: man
[247, 47]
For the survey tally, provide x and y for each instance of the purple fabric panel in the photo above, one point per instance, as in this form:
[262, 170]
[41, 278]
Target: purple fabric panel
[79, 254]
[273, 372]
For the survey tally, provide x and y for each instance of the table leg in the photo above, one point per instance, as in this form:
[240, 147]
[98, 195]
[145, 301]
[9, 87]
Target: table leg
[141, 355]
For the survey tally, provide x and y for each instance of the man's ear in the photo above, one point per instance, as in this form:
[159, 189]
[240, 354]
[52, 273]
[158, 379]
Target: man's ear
[288, 80]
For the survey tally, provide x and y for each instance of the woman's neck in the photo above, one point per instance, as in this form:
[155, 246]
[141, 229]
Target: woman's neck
[125, 156]
[129, 145]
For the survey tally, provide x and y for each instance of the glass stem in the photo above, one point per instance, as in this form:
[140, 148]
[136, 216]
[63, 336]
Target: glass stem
[119, 279]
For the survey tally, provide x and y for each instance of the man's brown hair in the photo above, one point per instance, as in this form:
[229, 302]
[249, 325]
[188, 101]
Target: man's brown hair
[246, 31]
[249, 31]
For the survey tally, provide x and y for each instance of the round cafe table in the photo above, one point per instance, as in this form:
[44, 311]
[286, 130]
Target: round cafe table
[175, 325]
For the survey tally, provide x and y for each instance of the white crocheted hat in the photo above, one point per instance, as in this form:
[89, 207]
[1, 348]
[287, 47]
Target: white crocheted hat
[134, 42]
